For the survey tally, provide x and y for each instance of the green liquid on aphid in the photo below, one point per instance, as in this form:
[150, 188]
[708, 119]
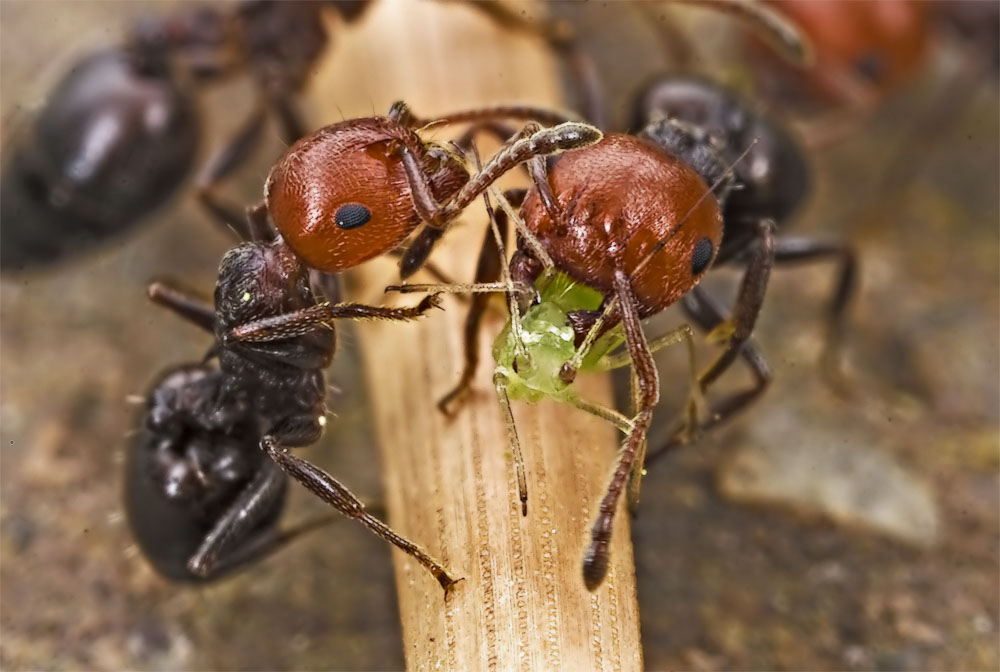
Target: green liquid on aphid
[549, 341]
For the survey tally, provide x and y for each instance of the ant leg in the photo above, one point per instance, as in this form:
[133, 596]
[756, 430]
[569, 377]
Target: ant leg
[221, 165]
[194, 310]
[257, 500]
[690, 422]
[289, 117]
[266, 543]
[773, 26]
[789, 250]
[321, 316]
[331, 491]
[706, 311]
[749, 299]
[500, 384]
[488, 269]
[595, 562]
[566, 136]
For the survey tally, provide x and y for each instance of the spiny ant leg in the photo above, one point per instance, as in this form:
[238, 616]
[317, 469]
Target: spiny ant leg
[569, 135]
[234, 154]
[257, 500]
[788, 250]
[320, 316]
[596, 559]
[183, 303]
[331, 491]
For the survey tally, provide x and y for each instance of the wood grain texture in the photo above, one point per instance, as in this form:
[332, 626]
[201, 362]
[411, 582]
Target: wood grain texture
[450, 484]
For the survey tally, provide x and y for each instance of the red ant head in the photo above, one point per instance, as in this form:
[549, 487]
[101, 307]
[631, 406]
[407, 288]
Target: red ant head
[862, 48]
[340, 196]
[622, 199]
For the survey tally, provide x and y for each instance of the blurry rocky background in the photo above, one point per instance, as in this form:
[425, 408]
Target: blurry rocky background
[815, 532]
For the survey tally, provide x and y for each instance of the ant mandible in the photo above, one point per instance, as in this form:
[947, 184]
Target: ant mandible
[211, 499]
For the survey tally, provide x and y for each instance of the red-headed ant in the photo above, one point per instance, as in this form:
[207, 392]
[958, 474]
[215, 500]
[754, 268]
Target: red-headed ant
[205, 485]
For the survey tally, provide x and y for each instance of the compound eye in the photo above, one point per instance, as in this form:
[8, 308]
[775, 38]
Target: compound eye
[702, 257]
[351, 216]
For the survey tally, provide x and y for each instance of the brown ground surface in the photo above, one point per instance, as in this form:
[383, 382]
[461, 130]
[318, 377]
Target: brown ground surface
[721, 584]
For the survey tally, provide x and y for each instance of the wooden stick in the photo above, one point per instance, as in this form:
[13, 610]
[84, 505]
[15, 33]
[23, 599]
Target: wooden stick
[450, 485]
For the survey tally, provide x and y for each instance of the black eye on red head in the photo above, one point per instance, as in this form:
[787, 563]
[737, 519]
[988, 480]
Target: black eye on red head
[351, 216]
[702, 255]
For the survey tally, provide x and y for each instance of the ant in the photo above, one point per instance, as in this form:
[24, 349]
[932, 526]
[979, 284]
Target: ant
[617, 232]
[865, 51]
[202, 499]
[205, 485]
[773, 180]
[273, 339]
[119, 134]
[591, 232]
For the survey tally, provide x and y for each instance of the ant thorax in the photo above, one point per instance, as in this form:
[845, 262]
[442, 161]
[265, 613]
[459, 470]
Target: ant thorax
[549, 341]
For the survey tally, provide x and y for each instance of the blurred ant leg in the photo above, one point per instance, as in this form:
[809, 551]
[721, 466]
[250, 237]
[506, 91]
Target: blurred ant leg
[708, 313]
[331, 491]
[321, 316]
[678, 50]
[595, 562]
[789, 250]
[749, 299]
[500, 385]
[232, 155]
[267, 542]
[256, 501]
[258, 226]
[289, 117]
[401, 113]
[488, 269]
[779, 31]
[194, 310]
[561, 38]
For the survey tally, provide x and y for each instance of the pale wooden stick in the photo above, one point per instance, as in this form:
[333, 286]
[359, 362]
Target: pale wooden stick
[450, 485]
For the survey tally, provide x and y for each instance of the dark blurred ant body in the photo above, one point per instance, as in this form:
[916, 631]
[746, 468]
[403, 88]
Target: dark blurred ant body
[202, 499]
[205, 485]
[120, 132]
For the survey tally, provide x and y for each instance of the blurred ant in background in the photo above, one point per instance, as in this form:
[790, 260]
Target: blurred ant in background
[119, 134]
[867, 51]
